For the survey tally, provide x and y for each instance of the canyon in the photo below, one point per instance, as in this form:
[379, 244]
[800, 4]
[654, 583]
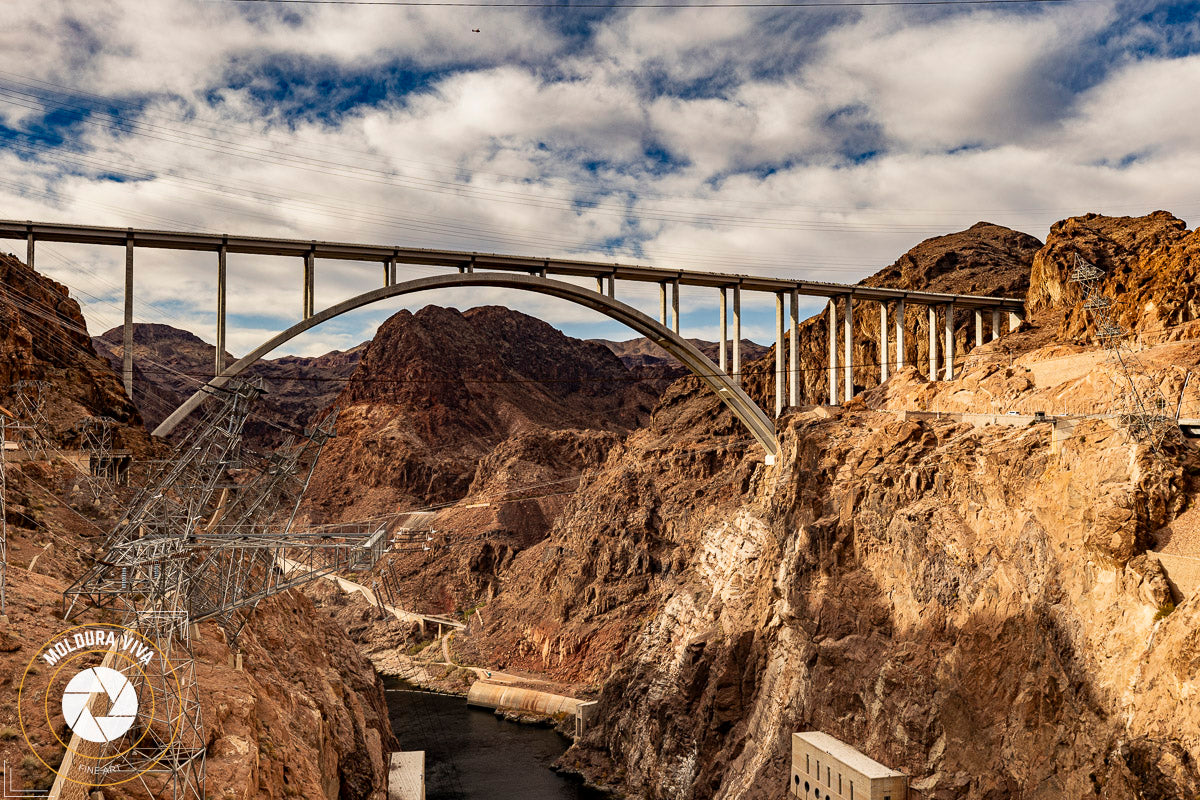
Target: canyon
[981, 606]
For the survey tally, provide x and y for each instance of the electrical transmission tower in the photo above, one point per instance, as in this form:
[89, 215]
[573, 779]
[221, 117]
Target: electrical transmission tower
[204, 540]
[1142, 411]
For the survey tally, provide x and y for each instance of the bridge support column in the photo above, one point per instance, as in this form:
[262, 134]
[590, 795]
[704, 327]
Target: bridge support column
[848, 350]
[599, 284]
[309, 280]
[883, 342]
[724, 331]
[662, 303]
[389, 272]
[612, 284]
[794, 351]
[900, 335]
[979, 327]
[1014, 321]
[29, 249]
[127, 355]
[219, 358]
[737, 335]
[675, 306]
[780, 371]
[949, 349]
[833, 365]
[933, 359]
[995, 324]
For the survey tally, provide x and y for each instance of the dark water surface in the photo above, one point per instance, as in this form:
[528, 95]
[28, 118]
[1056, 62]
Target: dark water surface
[471, 754]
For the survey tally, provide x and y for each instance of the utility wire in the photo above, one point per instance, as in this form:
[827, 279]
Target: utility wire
[571, 4]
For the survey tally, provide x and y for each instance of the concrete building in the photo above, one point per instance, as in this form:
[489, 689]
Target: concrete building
[826, 768]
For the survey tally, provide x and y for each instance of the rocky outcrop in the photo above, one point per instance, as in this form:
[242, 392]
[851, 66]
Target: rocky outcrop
[43, 337]
[171, 364]
[438, 391]
[1152, 266]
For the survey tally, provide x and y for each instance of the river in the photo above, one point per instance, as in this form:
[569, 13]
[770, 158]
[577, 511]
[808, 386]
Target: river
[471, 754]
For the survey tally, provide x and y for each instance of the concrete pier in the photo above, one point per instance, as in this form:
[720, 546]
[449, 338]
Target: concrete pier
[933, 359]
[723, 361]
[900, 335]
[949, 349]
[794, 352]
[737, 335]
[848, 350]
[833, 377]
[219, 356]
[127, 355]
[780, 369]
[995, 324]
[309, 281]
[883, 342]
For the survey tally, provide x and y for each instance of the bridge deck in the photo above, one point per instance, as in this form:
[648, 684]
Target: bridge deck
[258, 245]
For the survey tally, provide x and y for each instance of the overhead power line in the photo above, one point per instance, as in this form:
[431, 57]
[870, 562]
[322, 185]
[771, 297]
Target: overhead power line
[570, 6]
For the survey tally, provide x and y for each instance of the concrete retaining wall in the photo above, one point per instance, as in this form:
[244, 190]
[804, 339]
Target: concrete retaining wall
[511, 698]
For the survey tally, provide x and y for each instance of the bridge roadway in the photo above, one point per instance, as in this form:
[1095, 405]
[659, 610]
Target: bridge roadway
[497, 270]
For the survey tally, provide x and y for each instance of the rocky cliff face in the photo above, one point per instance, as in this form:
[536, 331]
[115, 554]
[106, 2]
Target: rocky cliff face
[963, 604]
[43, 337]
[979, 607]
[306, 718]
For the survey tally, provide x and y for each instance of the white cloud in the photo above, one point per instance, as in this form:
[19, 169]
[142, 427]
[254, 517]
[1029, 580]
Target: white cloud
[762, 114]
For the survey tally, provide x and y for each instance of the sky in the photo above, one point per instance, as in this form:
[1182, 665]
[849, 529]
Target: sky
[812, 142]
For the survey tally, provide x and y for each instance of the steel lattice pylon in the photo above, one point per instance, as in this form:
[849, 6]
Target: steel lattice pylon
[1141, 411]
[207, 539]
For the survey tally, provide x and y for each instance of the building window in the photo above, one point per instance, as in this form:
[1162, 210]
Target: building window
[839, 783]
[797, 779]
[807, 765]
[806, 787]
[851, 790]
[828, 782]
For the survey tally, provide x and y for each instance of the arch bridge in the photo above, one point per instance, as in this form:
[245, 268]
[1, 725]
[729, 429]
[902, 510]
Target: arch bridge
[544, 276]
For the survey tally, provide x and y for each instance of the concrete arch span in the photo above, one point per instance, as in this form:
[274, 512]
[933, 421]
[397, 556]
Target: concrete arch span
[745, 409]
